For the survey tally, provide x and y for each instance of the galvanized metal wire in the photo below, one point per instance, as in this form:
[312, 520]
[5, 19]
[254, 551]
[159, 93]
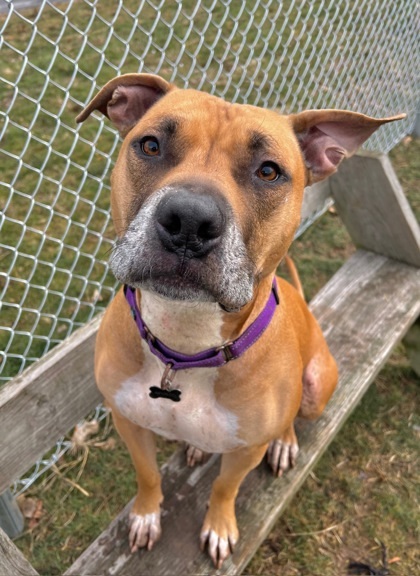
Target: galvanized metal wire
[55, 230]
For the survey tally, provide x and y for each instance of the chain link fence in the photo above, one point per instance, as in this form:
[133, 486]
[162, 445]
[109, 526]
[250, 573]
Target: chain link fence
[55, 230]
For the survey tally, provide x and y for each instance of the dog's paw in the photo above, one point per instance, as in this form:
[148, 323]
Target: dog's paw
[195, 456]
[220, 538]
[281, 455]
[144, 531]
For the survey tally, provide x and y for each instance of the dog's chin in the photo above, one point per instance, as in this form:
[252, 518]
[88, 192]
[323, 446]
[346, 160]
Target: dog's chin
[177, 289]
[180, 289]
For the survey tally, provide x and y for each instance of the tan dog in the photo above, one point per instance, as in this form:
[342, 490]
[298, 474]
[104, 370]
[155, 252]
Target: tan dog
[206, 198]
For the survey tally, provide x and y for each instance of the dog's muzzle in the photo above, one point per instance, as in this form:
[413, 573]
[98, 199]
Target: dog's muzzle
[185, 244]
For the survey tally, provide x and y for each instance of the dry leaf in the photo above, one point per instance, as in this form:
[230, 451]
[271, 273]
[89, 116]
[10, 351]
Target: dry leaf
[36, 517]
[26, 504]
[82, 432]
[31, 509]
[108, 444]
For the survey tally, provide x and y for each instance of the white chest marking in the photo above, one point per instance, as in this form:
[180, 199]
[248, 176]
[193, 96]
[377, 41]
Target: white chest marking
[197, 419]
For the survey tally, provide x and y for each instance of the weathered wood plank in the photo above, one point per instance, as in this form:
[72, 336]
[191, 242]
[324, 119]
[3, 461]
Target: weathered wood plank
[374, 209]
[364, 311]
[43, 403]
[50, 397]
[12, 561]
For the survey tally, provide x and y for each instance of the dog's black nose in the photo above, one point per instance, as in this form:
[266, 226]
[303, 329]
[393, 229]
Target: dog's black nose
[189, 223]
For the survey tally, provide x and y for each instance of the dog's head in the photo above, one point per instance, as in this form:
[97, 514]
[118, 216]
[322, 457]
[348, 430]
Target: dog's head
[206, 195]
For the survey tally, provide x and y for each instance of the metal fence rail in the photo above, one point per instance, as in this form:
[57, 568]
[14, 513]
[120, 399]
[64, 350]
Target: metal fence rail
[55, 230]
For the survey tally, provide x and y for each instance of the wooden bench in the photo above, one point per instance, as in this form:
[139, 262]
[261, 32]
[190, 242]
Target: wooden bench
[364, 310]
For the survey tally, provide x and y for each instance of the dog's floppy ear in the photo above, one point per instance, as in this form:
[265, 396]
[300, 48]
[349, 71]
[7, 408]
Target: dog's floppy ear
[126, 98]
[326, 137]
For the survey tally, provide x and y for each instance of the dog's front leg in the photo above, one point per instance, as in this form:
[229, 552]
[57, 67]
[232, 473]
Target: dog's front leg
[220, 530]
[145, 527]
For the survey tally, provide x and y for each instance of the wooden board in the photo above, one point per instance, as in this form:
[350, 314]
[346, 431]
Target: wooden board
[12, 561]
[43, 403]
[364, 311]
[372, 205]
[58, 391]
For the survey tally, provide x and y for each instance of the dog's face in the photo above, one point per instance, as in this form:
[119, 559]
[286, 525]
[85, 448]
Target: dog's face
[206, 195]
[205, 198]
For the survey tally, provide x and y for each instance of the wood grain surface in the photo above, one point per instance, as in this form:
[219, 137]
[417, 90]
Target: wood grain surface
[12, 561]
[43, 403]
[374, 209]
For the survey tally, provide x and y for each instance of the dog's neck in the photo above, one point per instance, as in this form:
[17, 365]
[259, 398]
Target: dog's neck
[187, 327]
[191, 327]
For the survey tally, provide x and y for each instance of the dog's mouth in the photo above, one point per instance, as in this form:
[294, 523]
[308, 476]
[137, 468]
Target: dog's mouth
[210, 279]
[174, 279]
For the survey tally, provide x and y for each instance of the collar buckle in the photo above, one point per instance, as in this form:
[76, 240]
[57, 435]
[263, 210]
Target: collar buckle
[226, 351]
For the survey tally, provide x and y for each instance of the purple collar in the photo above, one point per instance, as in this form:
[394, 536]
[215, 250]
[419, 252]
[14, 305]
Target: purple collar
[211, 358]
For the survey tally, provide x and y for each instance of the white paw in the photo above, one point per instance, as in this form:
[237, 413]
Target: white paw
[281, 456]
[195, 456]
[219, 548]
[144, 531]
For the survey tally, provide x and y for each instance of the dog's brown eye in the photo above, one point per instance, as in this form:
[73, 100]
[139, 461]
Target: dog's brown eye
[269, 172]
[150, 146]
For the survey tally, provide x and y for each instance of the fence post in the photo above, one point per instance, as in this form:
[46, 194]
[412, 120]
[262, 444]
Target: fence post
[416, 128]
[371, 202]
[11, 519]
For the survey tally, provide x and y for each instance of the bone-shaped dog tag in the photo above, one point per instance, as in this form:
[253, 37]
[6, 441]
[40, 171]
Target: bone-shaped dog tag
[174, 395]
